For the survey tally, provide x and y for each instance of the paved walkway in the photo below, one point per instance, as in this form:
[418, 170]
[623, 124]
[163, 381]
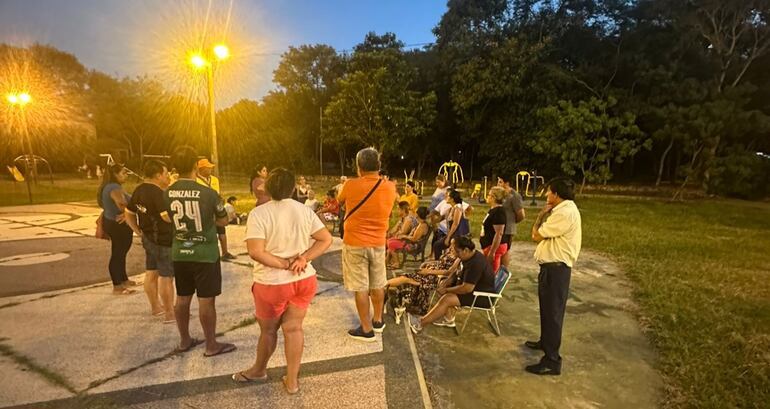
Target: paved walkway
[83, 347]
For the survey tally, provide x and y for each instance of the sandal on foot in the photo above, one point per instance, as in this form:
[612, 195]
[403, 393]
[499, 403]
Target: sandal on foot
[122, 291]
[289, 391]
[241, 378]
[193, 342]
[223, 350]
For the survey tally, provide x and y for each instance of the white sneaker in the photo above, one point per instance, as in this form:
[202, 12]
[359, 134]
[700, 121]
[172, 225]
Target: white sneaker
[414, 323]
[443, 322]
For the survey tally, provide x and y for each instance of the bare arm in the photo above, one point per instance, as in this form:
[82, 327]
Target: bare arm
[257, 252]
[405, 229]
[463, 288]
[119, 197]
[418, 233]
[131, 221]
[499, 229]
[456, 216]
[520, 215]
[323, 239]
[222, 221]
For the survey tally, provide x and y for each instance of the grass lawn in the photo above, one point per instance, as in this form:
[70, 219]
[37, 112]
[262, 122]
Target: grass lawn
[700, 272]
[702, 278]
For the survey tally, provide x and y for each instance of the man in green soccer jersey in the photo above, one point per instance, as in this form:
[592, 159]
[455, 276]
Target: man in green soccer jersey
[195, 211]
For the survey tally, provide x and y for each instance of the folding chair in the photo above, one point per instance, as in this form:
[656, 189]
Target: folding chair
[501, 280]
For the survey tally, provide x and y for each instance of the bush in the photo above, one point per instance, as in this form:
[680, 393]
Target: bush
[741, 174]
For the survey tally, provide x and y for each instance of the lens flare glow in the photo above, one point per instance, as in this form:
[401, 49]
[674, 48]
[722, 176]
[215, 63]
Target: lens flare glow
[24, 98]
[181, 38]
[221, 51]
[197, 61]
[38, 108]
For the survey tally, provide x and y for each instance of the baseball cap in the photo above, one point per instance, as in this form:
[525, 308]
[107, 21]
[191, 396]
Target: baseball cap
[204, 163]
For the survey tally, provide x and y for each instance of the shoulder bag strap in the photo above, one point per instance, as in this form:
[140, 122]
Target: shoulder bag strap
[368, 195]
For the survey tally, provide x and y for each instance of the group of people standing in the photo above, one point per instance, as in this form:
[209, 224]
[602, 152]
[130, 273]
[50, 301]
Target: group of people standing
[178, 224]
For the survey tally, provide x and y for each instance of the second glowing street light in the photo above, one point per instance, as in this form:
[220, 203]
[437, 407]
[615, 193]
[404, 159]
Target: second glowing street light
[201, 61]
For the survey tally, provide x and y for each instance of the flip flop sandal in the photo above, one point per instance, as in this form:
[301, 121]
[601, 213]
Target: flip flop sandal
[226, 348]
[241, 378]
[125, 291]
[169, 321]
[158, 314]
[289, 391]
[194, 342]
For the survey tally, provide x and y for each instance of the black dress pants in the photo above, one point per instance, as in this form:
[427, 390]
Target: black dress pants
[552, 291]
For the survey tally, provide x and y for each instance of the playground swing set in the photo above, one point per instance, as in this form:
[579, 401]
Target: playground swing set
[528, 184]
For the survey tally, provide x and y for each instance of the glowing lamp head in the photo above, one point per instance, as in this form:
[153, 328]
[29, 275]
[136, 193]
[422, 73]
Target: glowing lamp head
[221, 51]
[20, 99]
[197, 61]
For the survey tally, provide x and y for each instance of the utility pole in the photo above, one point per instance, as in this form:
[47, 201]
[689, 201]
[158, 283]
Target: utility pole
[321, 139]
[213, 119]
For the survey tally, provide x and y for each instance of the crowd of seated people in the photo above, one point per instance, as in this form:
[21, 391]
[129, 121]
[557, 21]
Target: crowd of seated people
[459, 268]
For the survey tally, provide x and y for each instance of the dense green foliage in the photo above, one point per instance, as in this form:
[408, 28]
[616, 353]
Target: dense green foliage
[661, 91]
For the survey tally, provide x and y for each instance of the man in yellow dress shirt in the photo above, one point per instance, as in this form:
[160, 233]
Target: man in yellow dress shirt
[558, 234]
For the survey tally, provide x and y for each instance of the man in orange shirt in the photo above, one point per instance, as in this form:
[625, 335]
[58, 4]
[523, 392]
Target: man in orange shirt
[369, 201]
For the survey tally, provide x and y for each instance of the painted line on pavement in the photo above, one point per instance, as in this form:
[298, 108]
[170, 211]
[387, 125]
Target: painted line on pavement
[420, 376]
[45, 226]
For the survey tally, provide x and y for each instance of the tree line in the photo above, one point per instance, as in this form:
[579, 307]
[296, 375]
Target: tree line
[660, 92]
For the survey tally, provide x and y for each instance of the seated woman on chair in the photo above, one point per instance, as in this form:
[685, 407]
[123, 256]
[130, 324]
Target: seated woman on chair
[477, 275]
[415, 290]
[406, 222]
[407, 241]
[330, 210]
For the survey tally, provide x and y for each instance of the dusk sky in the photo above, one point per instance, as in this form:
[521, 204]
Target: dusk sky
[110, 35]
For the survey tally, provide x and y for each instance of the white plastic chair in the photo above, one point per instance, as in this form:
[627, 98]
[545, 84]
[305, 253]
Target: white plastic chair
[501, 280]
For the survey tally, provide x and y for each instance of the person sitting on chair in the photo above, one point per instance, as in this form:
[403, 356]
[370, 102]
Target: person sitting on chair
[311, 202]
[330, 210]
[406, 222]
[477, 275]
[415, 290]
[232, 214]
[409, 241]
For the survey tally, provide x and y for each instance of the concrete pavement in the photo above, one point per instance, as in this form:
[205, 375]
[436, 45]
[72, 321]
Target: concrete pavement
[80, 346]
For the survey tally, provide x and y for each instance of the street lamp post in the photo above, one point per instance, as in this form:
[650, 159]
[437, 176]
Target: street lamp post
[20, 100]
[200, 62]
